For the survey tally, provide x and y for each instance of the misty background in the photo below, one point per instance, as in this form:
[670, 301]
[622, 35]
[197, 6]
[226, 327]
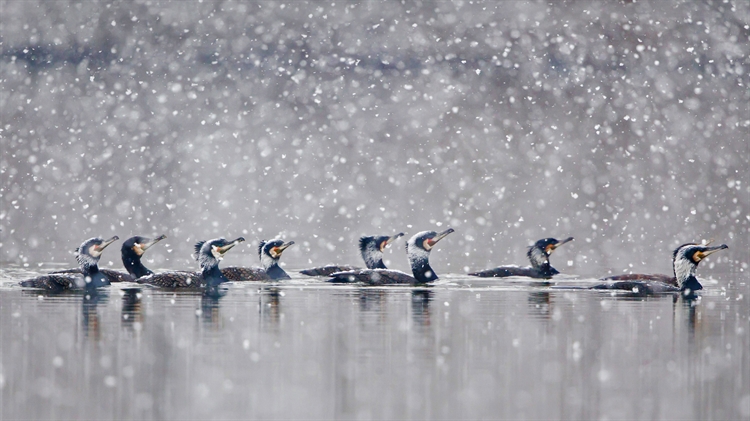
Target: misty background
[622, 124]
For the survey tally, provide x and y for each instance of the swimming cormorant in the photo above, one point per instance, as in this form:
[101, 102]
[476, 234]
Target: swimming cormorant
[131, 251]
[87, 254]
[269, 253]
[208, 254]
[417, 250]
[371, 248]
[685, 259]
[538, 256]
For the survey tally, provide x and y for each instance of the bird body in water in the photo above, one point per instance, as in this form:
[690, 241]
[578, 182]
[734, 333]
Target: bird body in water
[208, 254]
[131, 252]
[269, 253]
[87, 254]
[370, 247]
[538, 256]
[685, 259]
[417, 250]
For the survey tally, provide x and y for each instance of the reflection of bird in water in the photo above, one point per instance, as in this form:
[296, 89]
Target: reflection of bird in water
[540, 304]
[371, 300]
[270, 304]
[269, 253]
[131, 251]
[90, 300]
[208, 254]
[371, 248]
[210, 309]
[417, 250]
[538, 256]
[685, 259]
[132, 307]
[88, 255]
[420, 306]
[690, 304]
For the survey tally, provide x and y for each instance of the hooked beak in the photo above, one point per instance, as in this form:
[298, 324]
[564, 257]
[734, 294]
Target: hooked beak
[711, 250]
[280, 249]
[439, 237]
[394, 238]
[145, 246]
[97, 249]
[104, 245]
[567, 240]
[226, 248]
[385, 243]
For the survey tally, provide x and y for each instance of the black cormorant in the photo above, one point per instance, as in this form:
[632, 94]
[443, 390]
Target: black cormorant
[417, 250]
[269, 253]
[88, 255]
[131, 251]
[208, 254]
[538, 256]
[371, 248]
[685, 259]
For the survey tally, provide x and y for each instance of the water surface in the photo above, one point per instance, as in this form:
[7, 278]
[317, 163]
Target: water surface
[467, 348]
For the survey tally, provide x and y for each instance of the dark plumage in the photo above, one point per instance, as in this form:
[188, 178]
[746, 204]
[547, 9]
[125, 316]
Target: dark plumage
[538, 256]
[131, 252]
[269, 253]
[90, 276]
[417, 250]
[208, 254]
[370, 247]
[685, 259]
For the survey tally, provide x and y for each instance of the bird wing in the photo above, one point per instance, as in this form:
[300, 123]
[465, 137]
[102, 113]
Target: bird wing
[117, 276]
[327, 270]
[110, 274]
[54, 282]
[665, 279]
[240, 274]
[640, 287]
[504, 271]
[373, 277]
[182, 280]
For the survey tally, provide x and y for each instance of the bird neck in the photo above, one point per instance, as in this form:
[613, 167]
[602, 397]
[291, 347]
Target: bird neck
[684, 274]
[538, 258]
[373, 258]
[547, 271]
[420, 266]
[267, 262]
[93, 277]
[134, 266]
[691, 284]
[276, 272]
[213, 276]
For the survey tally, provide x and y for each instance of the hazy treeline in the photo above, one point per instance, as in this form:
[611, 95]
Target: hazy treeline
[622, 124]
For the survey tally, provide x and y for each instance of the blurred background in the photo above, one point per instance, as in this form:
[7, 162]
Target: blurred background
[622, 124]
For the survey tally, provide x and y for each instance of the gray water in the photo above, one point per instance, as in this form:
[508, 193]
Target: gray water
[466, 348]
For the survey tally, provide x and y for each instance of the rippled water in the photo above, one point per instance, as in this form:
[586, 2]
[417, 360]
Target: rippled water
[466, 348]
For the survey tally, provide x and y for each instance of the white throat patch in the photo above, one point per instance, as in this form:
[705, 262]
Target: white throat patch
[683, 268]
[267, 261]
[537, 257]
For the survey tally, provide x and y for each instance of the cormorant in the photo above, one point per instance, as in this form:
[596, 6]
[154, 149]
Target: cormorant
[88, 255]
[131, 251]
[685, 259]
[269, 253]
[538, 256]
[417, 250]
[208, 254]
[370, 247]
